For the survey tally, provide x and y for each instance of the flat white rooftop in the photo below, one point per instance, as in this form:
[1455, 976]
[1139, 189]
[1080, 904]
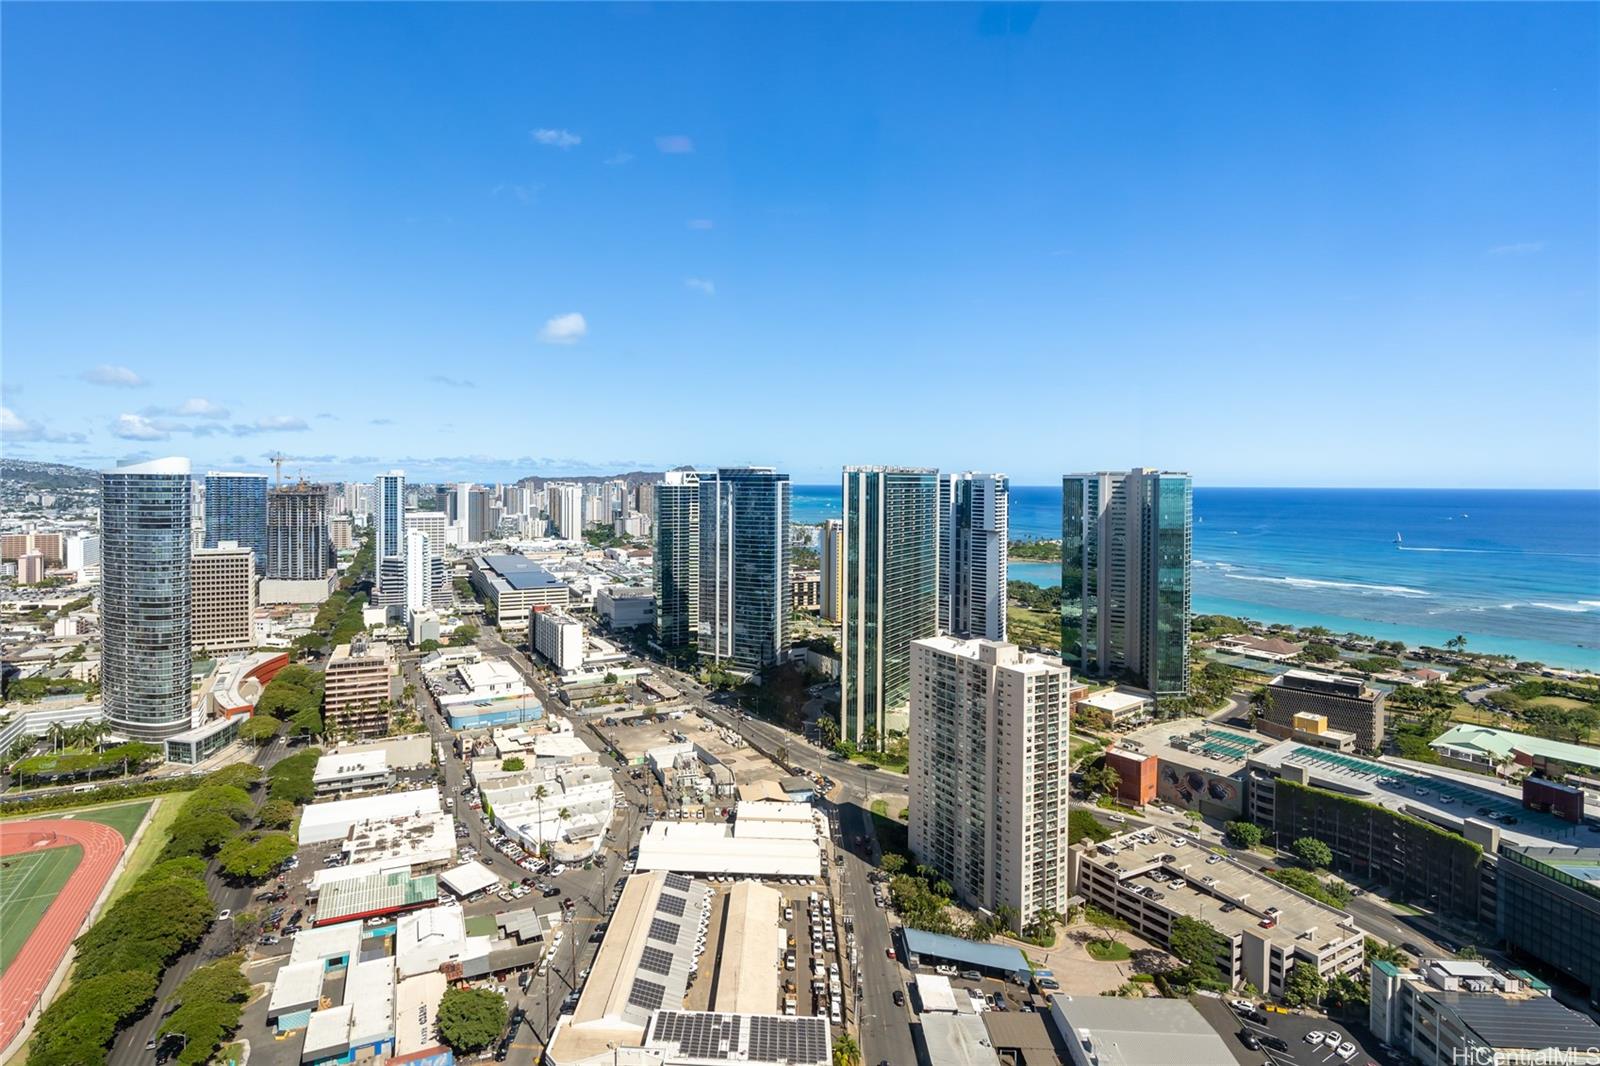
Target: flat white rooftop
[322, 822]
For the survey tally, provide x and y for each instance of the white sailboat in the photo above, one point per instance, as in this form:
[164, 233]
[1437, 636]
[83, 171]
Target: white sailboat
[1398, 541]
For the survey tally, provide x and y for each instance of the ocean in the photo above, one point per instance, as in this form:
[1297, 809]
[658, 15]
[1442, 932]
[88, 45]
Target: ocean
[1513, 571]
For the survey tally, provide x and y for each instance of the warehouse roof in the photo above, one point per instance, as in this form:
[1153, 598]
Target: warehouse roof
[381, 893]
[989, 956]
[520, 572]
[1137, 1032]
[468, 878]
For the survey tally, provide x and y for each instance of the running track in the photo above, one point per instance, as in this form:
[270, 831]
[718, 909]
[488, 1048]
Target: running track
[25, 979]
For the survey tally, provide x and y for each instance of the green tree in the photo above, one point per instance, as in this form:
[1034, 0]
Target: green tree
[892, 863]
[255, 856]
[1303, 986]
[845, 1050]
[471, 1018]
[199, 834]
[464, 635]
[428, 647]
[1457, 643]
[1102, 778]
[210, 1001]
[1242, 834]
[275, 814]
[260, 729]
[513, 764]
[1313, 852]
[1108, 924]
[827, 731]
[1198, 944]
[1081, 824]
[1376, 950]
[1319, 653]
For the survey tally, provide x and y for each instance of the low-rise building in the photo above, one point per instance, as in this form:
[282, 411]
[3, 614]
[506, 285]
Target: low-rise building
[358, 688]
[625, 607]
[1151, 878]
[361, 771]
[323, 822]
[1345, 703]
[1118, 708]
[515, 586]
[480, 695]
[1504, 753]
[765, 840]
[1451, 1011]
[1106, 1031]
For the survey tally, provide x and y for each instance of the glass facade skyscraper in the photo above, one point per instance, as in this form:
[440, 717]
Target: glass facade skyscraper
[745, 597]
[236, 510]
[1125, 566]
[973, 548]
[676, 572]
[145, 598]
[389, 537]
[891, 594]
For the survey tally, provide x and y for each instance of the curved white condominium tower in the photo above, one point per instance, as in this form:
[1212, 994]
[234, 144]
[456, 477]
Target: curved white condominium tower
[144, 597]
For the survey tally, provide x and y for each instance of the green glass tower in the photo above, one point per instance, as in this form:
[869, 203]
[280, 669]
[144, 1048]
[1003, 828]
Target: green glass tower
[1125, 554]
[891, 594]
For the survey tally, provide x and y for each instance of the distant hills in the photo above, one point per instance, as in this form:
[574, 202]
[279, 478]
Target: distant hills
[28, 474]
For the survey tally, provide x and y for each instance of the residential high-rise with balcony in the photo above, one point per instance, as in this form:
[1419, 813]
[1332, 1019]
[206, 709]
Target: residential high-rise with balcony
[144, 598]
[298, 548]
[988, 774]
[676, 573]
[830, 550]
[1125, 548]
[972, 554]
[891, 594]
[419, 572]
[744, 566]
[236, 510]
[566, 510]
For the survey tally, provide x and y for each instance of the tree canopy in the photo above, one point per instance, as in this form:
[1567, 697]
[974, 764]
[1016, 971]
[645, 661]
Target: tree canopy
[1243, 834]
[256, 855]
[1313, 852]
[471, 1018]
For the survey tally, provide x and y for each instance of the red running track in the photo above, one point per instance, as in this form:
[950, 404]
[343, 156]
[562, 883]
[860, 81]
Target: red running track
[25, 979]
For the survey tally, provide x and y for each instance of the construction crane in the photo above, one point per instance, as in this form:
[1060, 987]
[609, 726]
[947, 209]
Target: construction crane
[278, 459]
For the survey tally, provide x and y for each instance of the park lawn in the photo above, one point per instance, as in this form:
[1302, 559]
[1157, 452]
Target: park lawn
[28, 884]
[1040, 629]
[123, 817]
[150, 845]
[1108, 951]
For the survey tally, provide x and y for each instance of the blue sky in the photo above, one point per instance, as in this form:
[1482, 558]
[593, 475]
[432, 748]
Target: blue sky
[1297, 244]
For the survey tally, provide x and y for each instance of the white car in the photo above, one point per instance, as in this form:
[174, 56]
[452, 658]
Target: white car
[945, 971]
[1332, 1039]
[1241, 1005]
[1346, 1050]
[1315, 1038]
[224, 916]
[1117, 818]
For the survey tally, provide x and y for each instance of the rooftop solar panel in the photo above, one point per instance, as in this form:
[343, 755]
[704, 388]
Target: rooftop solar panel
[656, 961]
[777, 1039]
[678, 882]
[664, 931]
[670, 904]
[647, 995]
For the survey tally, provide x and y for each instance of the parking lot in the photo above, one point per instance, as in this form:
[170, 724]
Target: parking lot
[1292, 1030]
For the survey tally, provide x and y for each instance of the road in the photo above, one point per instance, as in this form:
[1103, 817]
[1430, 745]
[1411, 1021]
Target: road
[129, 1047]
[884, 1030]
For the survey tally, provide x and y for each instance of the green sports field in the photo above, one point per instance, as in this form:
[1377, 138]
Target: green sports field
[27, 885]
[124, 817]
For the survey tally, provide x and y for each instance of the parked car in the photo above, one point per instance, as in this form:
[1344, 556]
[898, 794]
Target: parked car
[899, 998]
[1249, 1040]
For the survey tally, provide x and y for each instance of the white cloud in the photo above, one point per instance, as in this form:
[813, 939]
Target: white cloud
[557, 138]
[270, 424]
[1520, 248]
[569, 328]
[701, 223]
[619, 159]
[118, 376]
[14, 428]
[450, 382]
[674, 144]
[701, 285]
[197, 407]
[137, 427]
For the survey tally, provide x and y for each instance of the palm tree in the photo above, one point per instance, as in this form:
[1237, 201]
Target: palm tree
[564, 814]
[538, 795]
[56, 734]
[99, 732]
[845, 1051]
[1456, 643]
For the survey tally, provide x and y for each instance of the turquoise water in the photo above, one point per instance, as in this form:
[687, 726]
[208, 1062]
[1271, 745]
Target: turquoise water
[1515, 572]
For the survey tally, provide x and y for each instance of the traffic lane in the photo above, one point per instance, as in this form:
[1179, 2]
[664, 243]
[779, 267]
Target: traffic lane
[885, 1029]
